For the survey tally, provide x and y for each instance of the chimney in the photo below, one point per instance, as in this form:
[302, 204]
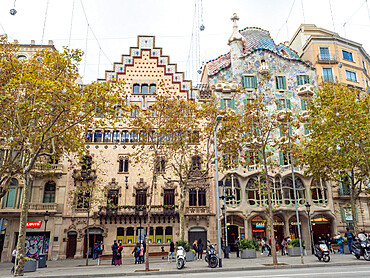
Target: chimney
[50, 42]
[32, 42]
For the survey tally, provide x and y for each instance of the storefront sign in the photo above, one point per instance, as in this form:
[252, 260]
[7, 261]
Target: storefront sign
[258, 231]
[260, 225]
[33, 224]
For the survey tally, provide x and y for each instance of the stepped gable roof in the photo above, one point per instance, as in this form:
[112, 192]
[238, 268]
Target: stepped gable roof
[255, 39]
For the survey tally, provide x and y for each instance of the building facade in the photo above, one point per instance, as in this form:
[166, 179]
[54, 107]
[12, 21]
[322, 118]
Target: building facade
[291, 80]
[336, 59]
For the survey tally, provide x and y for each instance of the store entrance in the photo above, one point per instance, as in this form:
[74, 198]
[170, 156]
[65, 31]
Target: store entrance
[321, 226]
[95, 235]
[232, 235]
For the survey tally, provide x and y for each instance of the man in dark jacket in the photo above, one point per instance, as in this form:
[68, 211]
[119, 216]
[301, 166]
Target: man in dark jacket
[348, 234]
[114, 251]
[172, 249]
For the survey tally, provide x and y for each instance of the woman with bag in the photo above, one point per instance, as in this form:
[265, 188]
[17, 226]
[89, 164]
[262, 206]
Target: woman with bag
[118, 260]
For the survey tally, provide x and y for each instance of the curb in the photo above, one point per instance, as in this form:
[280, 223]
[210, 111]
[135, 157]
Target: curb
[204, 270]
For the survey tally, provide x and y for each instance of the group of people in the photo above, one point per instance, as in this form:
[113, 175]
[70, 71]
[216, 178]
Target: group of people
[198, 248]
[97, 250]
[139, 253]
[339, 239]
[284, 246]
[117, 253]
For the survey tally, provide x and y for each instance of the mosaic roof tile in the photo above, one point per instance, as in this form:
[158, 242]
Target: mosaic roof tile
[257, 38]
[221, 62]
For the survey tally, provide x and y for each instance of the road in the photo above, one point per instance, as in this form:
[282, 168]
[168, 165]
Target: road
[317, 272]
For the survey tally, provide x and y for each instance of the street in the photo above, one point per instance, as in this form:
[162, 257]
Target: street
[335, 271]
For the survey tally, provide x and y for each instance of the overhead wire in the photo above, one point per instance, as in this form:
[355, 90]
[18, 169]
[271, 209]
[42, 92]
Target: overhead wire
[286, 21]
[344, 24]
[70, 29]
[46, 14]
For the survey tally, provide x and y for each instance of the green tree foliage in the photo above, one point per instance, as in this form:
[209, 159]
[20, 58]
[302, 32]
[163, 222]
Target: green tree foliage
[338, 146]
[44, 113]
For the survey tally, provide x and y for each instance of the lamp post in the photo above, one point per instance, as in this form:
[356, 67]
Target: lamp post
[141, 213]
[218, 119]
[46, 219]
[308, 207]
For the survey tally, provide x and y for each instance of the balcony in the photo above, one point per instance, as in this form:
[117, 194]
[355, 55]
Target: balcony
[46, 169]
[286, 168]
[197, 210]
[344, 192]
[42, 207]
[305, 90]
[327, 59]
[205, 92]
[133, 211]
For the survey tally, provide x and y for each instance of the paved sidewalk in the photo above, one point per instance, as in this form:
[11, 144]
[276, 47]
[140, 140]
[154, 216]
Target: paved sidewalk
[77, 268]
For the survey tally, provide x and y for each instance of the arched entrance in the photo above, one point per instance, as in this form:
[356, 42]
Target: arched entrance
[258, 227]
[321, 226]
[196, 234]
[95, 235]
[293, 227]
[71, 245]
[235, 228]
[278, 229]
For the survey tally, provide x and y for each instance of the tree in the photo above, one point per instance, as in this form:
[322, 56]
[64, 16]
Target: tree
[45, 112]
[250, 138]
[338, 146]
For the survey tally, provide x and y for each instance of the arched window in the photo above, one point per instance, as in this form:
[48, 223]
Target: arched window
[288, 192]
[232, 187]
[159, 235]
[144, 89]
[195, 162]
[152, 88]
[263, 191]
[319, 193]
[276, 193]
[125, 136]
[168, 232]
[97, 136]
[116, 135]
[107, 136]
[49, 192]
[252, 192]
[136, 89]
[192, 197]
[202, 197]
[12, 194]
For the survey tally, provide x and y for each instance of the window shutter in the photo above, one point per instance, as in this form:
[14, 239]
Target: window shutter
[307, 79]
[278, 104]
[299, 80]
[303, 104]
[288, 104]
[233, 104]
[222, 103]
[342, 213]
[284, 82]
[244, 82]
[255, 82]
[277, 82]
[281, 157]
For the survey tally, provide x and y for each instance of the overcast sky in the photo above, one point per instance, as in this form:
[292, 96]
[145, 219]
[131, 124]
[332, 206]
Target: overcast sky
[117, 23]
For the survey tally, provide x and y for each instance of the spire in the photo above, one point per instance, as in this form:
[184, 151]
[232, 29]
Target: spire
[235, 36]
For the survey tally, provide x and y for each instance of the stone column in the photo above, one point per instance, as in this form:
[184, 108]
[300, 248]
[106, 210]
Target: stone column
[124, 235]
[246, 229]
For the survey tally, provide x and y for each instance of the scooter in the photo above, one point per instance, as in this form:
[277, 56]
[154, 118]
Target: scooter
[322, 251]
[361, 247]
[180, 257]
[211, 256]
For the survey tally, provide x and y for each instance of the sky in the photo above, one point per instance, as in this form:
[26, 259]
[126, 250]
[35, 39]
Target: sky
[106, 29]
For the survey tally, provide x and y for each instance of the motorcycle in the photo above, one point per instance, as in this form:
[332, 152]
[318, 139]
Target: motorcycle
[180, 257]
[322, 251]
[361, 247]
[211, 256]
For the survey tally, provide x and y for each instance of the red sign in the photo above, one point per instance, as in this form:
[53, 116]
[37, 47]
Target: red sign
[34, 224]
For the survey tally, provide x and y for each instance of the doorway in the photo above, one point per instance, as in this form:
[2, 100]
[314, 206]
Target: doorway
[196, 234]
[95, 235]
[321, 226]
[232, 235]
[71, 245]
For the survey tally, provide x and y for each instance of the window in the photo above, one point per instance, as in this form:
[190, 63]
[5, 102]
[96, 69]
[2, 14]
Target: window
[49, 192]
[304, 105]
[135, 112]
[284, 158]
[228, 103]
[252, 192]
[134, 136]
[136, 89]
[125, 136]
[364, 66]
[232, 187]
[303, 79]
[123, 165]
[192, 197]
[152, 88]
[140, 199]
[253, 158]
[97, 136]
[347, 55]
[112, 200]
[351, 76]
[201, 197]
[324, 53]
[327, 75]
[195, 163]
[83, 199]
[10, 196]
[161, 165]
[118, 111]
[283, 104]
[89, 136]
[288, 192]
[249, 82]
[306, 129]
[169, 197]
[152, 112]
[319, 193]
[144, 89]
[107, 136]
[22, 57]
[280, 82]
[116, 135]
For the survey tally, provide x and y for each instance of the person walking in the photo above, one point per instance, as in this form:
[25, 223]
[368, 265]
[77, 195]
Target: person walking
[14, 255]
[349, 235]
[340, 241]
[195, 248]
[328, 240]
[118, 260]
[114, 252]
[172, 249]
[200, 249]
[144, 245]
[141, 253]
[96, 251]
[136, 253]
[237, 247]
[283, 242]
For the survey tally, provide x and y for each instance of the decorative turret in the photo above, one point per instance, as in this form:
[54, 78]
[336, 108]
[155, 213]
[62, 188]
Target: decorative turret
[236, 42]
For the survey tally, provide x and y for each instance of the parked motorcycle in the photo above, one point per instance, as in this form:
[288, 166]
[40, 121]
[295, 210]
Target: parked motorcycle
[322, 251]
[211, 256]
[361, 247]
[180, 257]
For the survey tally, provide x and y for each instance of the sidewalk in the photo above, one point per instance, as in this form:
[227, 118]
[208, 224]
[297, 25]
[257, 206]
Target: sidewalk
[77, 268]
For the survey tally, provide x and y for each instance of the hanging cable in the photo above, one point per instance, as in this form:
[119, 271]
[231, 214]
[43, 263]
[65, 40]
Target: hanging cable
[87, 35]
[332, 18]
[304, 18]
[286, 21]
[46, 14]
[70, 29]
[368, 11]
[344, 24]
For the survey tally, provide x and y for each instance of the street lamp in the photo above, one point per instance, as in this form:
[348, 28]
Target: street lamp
[218, 119]
[308, 207]
[141, 214]
[46, 219]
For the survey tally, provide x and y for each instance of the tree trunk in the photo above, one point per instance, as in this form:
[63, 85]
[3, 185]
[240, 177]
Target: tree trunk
[87, 235]
[182, 211]
[353, 198]
[270, 215]
[149, 213]
[19, 266]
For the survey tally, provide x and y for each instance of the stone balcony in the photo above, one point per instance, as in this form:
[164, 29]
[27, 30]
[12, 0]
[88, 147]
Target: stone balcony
[47, 169]
[197, 210]
[40, 207]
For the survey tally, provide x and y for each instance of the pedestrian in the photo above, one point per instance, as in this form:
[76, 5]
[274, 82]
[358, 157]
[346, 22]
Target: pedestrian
[283, 242]
[237, 247]
[340, 241]
[118, 260]
[262, 243]
[136, 253]
[328, 240]
[195, 248]
[14, 255]
[200, 249]
[144, 245]
[114, 252]
[172, 249]
[349, 235]
[96, 251]
[141, 251]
